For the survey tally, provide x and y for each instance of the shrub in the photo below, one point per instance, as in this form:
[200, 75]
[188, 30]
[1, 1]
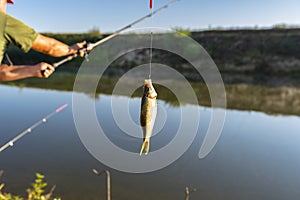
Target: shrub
[36, 192]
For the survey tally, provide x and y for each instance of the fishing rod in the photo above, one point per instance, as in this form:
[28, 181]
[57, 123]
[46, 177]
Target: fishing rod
[92, 45]
[44, 120]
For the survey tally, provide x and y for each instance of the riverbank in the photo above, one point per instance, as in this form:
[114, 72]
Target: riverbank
[260, 52]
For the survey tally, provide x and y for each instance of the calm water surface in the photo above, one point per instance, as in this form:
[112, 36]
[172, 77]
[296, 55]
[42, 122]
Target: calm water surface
[257, 156]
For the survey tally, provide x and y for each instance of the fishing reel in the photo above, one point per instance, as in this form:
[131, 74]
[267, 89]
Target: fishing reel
[85, 50]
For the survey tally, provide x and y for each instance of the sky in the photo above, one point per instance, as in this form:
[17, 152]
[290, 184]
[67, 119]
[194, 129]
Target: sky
[77, 16]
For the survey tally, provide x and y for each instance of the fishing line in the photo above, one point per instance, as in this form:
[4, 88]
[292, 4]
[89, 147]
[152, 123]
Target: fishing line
[151, 49]
[9, 60]
[151, 41]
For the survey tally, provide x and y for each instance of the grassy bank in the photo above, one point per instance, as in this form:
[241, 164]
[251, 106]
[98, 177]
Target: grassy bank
[260, 52]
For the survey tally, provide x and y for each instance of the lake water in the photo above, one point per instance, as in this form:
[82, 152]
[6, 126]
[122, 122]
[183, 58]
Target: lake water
[256, 157]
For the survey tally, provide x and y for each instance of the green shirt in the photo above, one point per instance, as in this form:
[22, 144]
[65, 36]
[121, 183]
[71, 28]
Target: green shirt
[15, 32]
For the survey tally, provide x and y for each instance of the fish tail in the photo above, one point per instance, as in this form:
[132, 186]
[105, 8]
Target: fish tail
[145, 146]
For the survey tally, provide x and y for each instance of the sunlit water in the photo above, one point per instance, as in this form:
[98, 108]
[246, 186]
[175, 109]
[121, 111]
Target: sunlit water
[256, 157]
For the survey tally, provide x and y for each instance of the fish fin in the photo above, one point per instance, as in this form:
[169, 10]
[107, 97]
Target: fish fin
[145, 146]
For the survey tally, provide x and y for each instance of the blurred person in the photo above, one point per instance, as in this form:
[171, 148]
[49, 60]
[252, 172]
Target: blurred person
[13, 31]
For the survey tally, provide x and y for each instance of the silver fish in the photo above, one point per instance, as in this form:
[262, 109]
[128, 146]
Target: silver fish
[148, 114]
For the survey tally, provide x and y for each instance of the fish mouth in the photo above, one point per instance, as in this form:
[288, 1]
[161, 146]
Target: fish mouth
[153, 96]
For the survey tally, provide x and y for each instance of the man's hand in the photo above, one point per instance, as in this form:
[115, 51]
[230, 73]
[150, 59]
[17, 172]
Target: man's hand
[43, 70]
[81, 48]
[11, 73]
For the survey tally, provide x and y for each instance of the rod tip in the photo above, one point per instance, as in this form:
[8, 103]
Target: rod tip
[61, 108]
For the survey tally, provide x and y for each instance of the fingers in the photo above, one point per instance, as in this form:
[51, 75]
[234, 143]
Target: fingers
[81, 48]
[45, 70]
[81, 44]
[81, 52]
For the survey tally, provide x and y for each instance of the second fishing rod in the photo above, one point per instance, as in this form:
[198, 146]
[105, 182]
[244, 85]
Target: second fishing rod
[90, 46]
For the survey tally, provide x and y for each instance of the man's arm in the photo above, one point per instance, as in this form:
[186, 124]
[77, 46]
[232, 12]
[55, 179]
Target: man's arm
[54, 47]
[45, 45]
[11, 73]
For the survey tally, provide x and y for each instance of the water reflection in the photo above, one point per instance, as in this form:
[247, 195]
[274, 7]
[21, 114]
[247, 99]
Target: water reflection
[269, 99]
[257, 156]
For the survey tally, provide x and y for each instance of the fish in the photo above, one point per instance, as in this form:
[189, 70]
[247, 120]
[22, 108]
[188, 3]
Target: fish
[148, 114]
